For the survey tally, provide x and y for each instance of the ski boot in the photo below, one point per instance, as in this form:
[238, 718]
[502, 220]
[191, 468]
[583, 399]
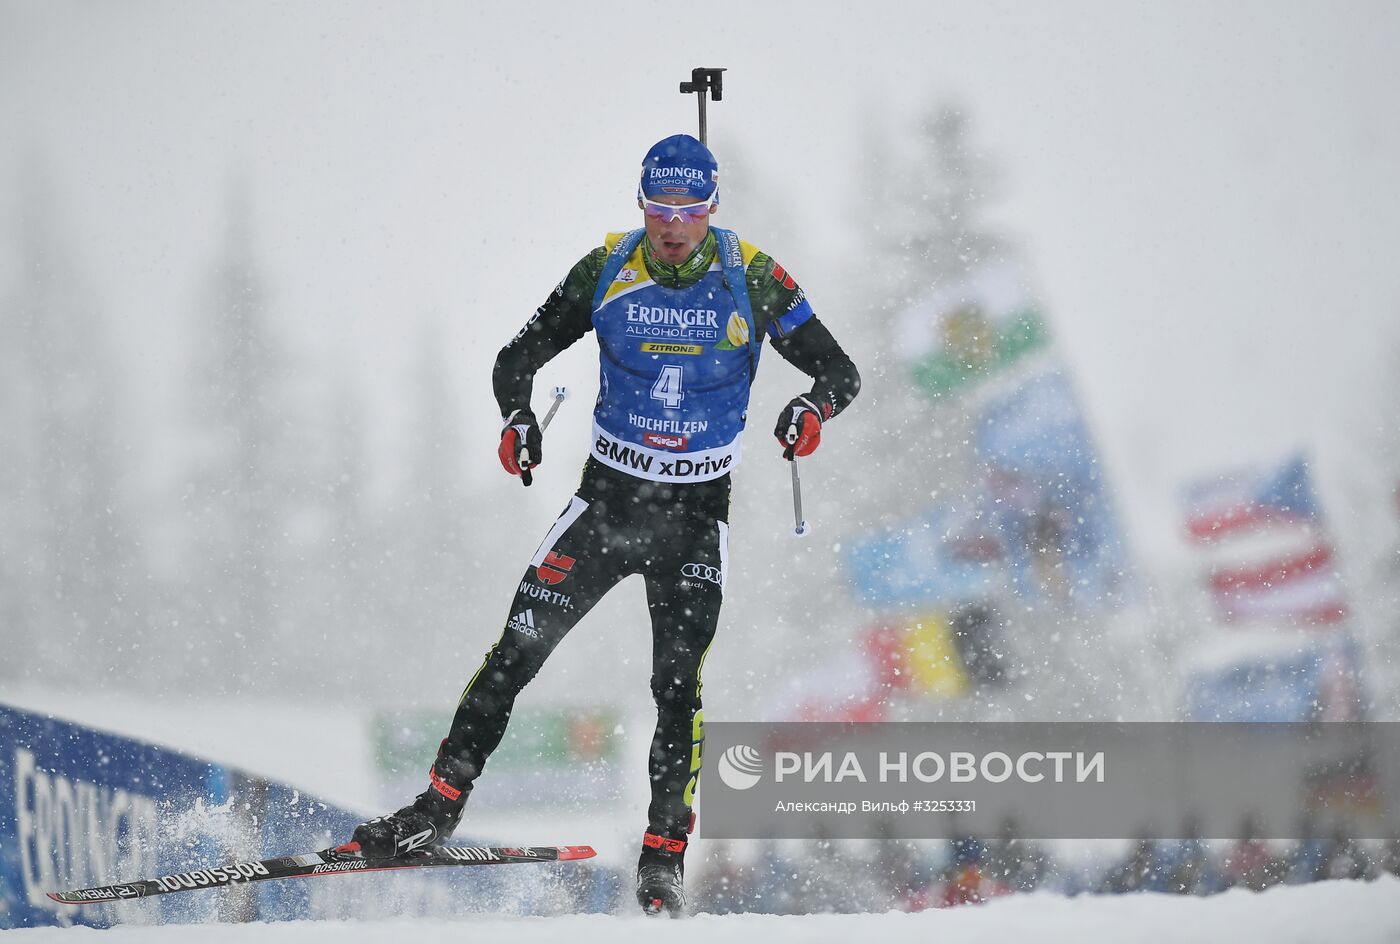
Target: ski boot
[428, 821]
[661, 875]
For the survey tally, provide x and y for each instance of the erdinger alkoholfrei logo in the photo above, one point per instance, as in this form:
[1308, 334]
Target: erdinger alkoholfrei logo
[740, 767]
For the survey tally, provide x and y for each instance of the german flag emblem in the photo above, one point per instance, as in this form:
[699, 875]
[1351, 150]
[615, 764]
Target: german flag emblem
[555, 568]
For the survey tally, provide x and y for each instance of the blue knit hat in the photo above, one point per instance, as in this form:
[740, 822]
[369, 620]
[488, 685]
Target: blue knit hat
[679, 166]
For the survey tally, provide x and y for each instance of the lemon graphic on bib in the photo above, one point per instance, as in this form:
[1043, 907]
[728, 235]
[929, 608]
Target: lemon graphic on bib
[736, 333]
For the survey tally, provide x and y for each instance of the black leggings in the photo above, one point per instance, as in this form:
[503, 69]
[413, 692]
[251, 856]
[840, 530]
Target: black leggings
[676, 537]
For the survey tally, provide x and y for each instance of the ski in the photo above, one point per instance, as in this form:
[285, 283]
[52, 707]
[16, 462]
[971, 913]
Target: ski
[325, 862]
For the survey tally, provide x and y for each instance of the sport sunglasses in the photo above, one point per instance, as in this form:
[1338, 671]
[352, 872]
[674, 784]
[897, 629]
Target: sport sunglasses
[688, 212]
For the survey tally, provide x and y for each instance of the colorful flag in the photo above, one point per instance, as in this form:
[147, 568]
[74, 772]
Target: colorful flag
[1275, 675]
[1303, 588]
[1249, 499]
[921, 655]
[938, 558]
[961, 333]
[1271, 558]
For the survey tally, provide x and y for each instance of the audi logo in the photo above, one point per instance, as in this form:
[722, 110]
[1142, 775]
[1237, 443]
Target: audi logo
[702, 572]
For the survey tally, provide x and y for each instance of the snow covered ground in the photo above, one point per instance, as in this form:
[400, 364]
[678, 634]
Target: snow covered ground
[310, 750]
[1340, 912]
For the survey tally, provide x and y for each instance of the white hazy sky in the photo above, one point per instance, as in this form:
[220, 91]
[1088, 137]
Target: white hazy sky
[1206, 192]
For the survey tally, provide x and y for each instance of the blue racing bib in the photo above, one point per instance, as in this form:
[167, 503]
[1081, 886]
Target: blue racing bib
[675, 366]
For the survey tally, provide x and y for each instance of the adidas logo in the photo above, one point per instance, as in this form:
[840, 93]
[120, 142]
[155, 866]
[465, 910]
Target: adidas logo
[524, 623]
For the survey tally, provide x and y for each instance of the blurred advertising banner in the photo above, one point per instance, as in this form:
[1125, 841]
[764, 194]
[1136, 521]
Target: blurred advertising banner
[80, 807]
[1046, 500]
[548, 756]
[960, 334]
[1055, 780]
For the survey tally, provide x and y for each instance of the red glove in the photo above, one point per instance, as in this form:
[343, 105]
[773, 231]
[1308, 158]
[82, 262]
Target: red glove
[799, 429]
[520, 449]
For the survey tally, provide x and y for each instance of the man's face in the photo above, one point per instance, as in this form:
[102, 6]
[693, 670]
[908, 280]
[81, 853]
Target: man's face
[674, 240]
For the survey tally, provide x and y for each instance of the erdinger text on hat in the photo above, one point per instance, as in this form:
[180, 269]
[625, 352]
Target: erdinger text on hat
[679, 166]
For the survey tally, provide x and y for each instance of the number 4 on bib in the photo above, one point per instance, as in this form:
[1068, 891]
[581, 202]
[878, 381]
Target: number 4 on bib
[667, 388]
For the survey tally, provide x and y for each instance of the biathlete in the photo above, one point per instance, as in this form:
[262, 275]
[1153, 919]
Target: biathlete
[679, 309]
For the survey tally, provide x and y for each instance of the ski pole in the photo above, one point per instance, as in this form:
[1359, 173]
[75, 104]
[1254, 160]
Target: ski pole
[703, 81]
[560, 395]
[799, 524]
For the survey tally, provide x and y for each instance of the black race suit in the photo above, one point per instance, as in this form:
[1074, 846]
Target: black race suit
[673, 534]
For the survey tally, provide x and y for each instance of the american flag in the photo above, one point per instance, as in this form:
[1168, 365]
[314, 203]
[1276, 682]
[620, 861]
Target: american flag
[1246, 500]
[1270, 558]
